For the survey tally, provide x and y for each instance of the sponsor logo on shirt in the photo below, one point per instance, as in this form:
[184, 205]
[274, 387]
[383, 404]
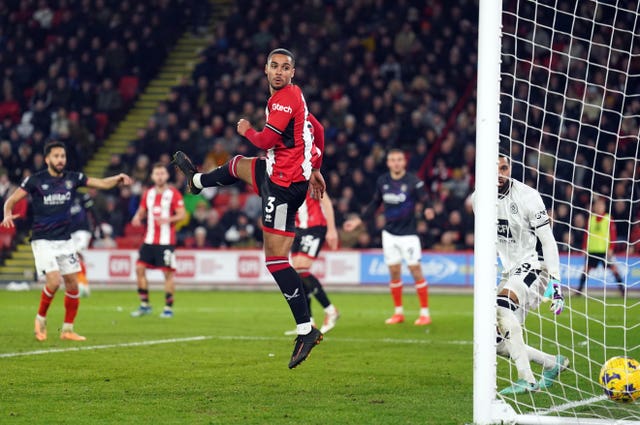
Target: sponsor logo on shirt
[281, 108]
[394, 198]
[57, 198]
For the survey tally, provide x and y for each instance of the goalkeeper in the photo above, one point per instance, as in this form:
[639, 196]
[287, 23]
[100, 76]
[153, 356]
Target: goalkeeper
[528, 278]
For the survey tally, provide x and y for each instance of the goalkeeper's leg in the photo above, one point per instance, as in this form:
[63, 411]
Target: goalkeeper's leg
[510, 327]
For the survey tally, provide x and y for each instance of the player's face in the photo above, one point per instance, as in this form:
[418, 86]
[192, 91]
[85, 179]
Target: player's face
[504, 172]
[159, 176]
[396, 162]
[279, 71]
[56, 160]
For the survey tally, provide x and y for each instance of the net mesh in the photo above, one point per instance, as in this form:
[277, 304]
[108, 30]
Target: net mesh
[570, 115]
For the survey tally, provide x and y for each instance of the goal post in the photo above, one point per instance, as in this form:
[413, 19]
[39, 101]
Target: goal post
[487, 129]
[559, 86]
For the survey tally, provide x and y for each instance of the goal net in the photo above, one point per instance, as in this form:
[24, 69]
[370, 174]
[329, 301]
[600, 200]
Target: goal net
[569, 113]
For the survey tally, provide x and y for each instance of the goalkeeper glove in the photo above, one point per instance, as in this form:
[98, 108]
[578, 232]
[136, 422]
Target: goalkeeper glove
[554, 293]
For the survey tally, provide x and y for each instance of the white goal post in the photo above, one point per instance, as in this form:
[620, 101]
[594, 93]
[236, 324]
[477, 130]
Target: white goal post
[559, 86]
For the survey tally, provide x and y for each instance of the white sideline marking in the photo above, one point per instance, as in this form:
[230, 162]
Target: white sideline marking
[221, 337]
[571, 405]
[106, 346]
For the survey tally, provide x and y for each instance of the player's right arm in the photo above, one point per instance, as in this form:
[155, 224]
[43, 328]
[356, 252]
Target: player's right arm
[15, 197]
[141, 213]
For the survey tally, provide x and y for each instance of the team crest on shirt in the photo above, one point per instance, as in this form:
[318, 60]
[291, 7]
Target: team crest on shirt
[385, 186]
[513, 208]
[403, 187]
[68, 184]
[45, 186]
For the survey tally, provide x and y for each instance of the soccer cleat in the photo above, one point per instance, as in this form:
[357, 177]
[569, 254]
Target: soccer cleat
[520, 387]
[304, 345]
[40, 330]
[330, 320]
[166, 314]
[141, 311]
[395, 319]
[423, 321]
[184, 164]
[71, 336]
[549, 376]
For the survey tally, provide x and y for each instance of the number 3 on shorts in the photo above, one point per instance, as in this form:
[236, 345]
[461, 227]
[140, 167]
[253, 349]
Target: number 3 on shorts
[269, 207]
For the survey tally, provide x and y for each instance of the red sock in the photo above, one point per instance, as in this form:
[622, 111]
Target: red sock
[423, 293]
[71, 303]
[45, 301]
[396, 292]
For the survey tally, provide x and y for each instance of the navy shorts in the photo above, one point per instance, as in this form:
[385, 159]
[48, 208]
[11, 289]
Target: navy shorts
[279, 204]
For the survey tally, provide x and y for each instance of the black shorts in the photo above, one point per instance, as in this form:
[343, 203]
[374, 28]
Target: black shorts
[595, 259]
[157, 256]
[279, 204]
[308, 242]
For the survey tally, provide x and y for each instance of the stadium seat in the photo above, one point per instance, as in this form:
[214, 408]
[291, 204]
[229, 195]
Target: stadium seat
[129, 242]
[131, 230]
[128, 88]
[102, 120]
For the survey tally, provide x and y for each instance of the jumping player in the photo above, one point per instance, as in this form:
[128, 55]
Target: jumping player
[527, 278]
[315, 223]
[52, 191]
[399, 190]
[282, 179]
[162, 207]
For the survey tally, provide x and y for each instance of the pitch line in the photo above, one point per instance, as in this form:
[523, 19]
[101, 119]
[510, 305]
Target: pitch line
[106, 346]
[221, 337]
[571, 405]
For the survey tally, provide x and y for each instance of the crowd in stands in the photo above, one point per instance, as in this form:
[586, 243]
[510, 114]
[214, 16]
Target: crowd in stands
[378, 75]
[63, 64]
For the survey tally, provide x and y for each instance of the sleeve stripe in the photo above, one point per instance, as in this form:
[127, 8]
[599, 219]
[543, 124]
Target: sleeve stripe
[272, 128]
[543, 224]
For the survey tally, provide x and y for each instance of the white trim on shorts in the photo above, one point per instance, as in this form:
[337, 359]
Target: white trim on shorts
[396, 248]
[51, 256]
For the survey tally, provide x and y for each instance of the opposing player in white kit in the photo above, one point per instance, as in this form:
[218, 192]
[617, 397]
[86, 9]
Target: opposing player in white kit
[162, 206]
[527, 278]
[52, 191]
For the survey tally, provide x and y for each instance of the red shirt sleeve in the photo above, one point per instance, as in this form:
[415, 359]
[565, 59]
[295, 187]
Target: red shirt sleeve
[318, 141]
[177, 200]
[265, 139]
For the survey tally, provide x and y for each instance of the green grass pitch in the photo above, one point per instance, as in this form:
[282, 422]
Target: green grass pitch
[223, 360]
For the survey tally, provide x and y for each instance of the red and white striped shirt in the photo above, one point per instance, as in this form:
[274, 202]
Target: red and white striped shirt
[310, 214]
[160, 205]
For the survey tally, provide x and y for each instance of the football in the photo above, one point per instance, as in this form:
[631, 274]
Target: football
[620, 379]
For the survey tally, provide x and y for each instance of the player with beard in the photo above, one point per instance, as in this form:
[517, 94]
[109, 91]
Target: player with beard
[52, 192]
[528, 278]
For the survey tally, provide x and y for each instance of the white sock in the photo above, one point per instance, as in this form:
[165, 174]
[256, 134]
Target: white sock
[509, 325]
[313, 322]
[546, 360]
[196, 181]
[41, 318]
[399, 310]
[67, 327]
[424, 311]
[330, 309]
[303, 328]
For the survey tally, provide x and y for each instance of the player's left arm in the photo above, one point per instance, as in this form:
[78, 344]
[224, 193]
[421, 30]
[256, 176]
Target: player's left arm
[422, 196]
[542, 228]
[108, 182]
[332, 233]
